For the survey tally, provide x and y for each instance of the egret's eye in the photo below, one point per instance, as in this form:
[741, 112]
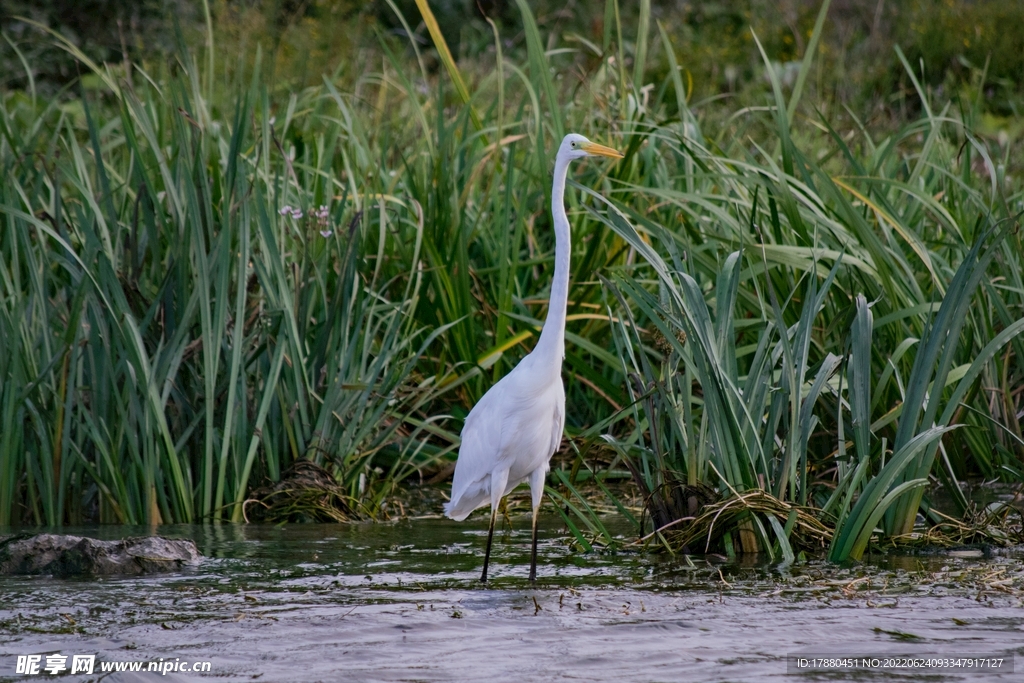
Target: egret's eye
[572, 144]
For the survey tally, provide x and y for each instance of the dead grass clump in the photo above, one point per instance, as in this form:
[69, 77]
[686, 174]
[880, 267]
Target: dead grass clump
[753, 518]
[999, 525]
[753, 521]
[306, 493]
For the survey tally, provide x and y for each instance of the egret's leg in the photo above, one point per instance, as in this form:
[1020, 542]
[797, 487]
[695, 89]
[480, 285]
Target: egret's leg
[533, 553]
[490, 537]
[536, 493]
[498, 482]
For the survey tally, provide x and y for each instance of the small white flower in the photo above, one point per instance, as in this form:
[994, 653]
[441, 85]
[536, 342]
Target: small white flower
[296, 213]
[285, 210]
[326, 233]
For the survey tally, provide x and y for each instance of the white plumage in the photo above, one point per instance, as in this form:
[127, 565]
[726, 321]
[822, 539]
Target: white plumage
[512, 432]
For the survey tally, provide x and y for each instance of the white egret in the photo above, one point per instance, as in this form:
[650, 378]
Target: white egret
[511, 434]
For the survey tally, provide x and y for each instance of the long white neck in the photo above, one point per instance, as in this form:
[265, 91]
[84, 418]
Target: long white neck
[552, 338]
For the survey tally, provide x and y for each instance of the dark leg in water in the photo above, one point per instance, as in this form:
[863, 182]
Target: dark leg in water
[537, 494]
[533, 553]
[490, 537]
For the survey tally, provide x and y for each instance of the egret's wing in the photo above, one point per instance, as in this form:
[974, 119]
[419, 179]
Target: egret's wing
[507, 429]
[477, 457]
[559, 421]
[487, 436]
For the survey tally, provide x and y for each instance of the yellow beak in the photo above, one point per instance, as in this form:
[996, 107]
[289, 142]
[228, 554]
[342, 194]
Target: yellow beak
[600, 150]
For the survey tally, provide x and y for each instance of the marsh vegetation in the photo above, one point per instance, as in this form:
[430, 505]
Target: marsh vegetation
[792, 319]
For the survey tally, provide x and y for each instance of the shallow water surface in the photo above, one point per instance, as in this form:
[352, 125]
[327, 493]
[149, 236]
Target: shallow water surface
[402, 602]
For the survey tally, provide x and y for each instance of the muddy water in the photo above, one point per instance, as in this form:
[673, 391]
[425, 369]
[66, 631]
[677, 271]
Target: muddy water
[401, 602]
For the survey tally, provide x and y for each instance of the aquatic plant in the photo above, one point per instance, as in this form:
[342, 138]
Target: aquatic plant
[740, 382]
[763, 305]
[171, 337]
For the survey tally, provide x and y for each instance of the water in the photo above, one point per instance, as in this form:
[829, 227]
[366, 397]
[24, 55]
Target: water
[401, 602]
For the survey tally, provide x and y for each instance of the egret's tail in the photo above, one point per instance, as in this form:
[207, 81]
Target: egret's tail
[461, 505]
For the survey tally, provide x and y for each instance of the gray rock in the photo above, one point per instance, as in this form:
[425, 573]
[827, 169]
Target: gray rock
[74, 555]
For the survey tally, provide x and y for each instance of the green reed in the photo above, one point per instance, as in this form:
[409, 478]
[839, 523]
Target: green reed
[768, 336]
[174, 335]
[778, 305]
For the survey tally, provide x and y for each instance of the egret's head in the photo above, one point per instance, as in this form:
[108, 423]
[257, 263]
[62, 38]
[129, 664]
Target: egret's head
[576, 147]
